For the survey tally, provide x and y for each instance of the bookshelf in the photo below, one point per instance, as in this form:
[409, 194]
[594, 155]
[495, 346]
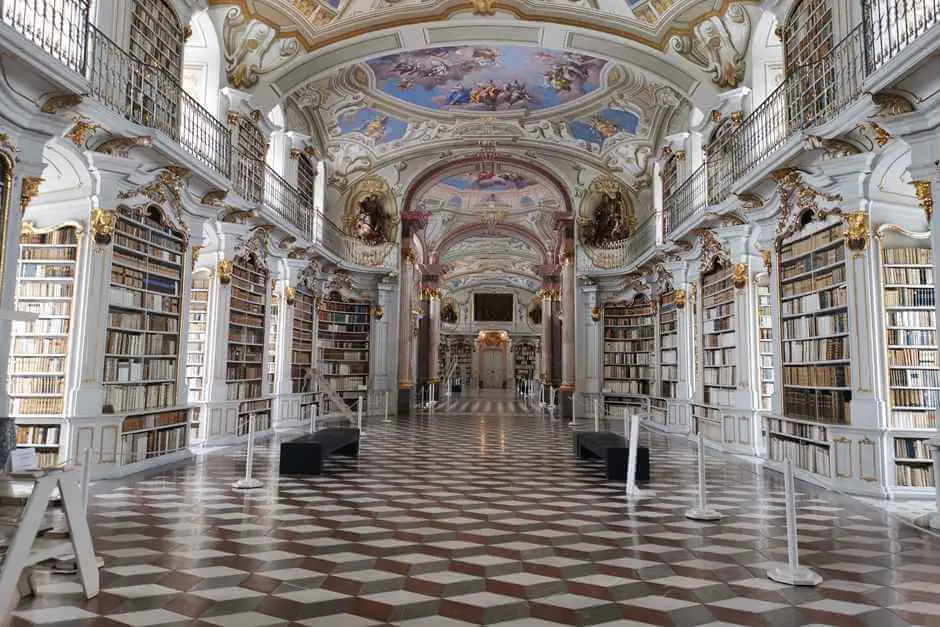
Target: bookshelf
[668, 346]
[271, 366]
[45, 285]
[765, 347]
[629, 345]
[815, 327]
[343, 334]
[245, 358]
[524, 355]
[141, 363]
[196, 343]
[913, 372]
[144, 437]
[302, 345]
[719, 337]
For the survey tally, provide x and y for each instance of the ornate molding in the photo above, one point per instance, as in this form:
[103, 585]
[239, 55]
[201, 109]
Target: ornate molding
[483, 7]
[739, 275]
[121, 146]
[196, 250]
[891, 104]
[430, 293]
[766, 255]
[923, 191]
[81, 131]
[797, 197]
[290, 295]
[718, 45]
[751, 201]
[224, 270]
[408, 255]
[102, 225]
[712, 251]
[253, 48]
[857, 232]
[52, 104]
[29, 190]
[680, 299]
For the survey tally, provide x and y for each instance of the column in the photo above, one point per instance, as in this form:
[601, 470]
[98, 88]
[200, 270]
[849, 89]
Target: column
[546, 361]
[405, 327]
[568, 320]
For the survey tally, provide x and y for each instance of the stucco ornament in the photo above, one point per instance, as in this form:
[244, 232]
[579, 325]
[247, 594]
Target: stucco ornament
[718, 45]
[253, 49]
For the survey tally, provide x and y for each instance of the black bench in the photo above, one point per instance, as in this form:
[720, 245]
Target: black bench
[305, 455]
[611, 447]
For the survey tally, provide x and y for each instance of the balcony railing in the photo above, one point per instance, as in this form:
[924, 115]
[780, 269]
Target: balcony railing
[642, 240]
[353, 249]
[287, 202]
[810, 96]
[60, 27]
[151, 97]
[248, 176]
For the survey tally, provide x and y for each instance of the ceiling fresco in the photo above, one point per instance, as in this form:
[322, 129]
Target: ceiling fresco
[486, 79]
[597, 128]
[375, 126]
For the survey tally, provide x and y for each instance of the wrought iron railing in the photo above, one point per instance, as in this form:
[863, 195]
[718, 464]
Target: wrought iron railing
[60, 27]
[286, 201]
[892, 25]
[686, 200]
[151, 97]
[642, 240]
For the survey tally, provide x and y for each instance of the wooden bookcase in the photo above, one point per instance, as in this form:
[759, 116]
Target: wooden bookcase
[196, 344]
[765, 347]
[245, 359]
[271, 366]
[629, 349]
[302, 345]
[45, 285]
[141, 363]
[668, 346]
[719, 338]
[343, 334]
[524, 356]
[912, 369]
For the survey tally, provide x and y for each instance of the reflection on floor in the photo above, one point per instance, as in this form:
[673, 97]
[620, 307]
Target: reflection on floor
[484, 519]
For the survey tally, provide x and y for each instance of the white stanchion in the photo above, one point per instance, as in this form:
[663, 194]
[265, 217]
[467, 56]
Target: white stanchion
[362, 432]
[574, 410]
[632, 491]
[314, 409]
[702, 512]
[792, 574]
[86, 478]
[386, 419]
[542, 402]
[597, 416]
[249, 482]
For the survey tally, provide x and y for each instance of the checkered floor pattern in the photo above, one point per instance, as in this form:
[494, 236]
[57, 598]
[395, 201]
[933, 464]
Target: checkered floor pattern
[484, 519]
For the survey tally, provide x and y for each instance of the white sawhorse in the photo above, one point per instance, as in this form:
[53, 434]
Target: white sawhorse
[20, 558]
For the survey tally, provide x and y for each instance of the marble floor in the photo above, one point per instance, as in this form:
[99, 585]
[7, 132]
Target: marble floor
[480, 515]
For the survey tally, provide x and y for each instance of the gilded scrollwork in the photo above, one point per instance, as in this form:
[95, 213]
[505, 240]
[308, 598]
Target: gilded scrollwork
[224, 269]
[102, 225]
[923, 191]
[857, 232]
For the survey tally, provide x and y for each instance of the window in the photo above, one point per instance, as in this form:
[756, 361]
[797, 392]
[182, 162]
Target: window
[156, 42]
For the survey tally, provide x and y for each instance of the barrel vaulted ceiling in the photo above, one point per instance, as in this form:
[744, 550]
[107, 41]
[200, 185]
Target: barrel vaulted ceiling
[400, 84]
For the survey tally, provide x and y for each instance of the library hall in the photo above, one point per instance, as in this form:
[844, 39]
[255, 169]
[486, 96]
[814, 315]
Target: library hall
[455, 313]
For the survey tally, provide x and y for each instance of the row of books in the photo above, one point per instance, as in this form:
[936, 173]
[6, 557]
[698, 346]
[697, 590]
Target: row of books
[132, 245]
[908, 419]
[721, 324]
[830, 406]
[627, 387]
[820, 376]
[246, 319]
[125, 343]
[333, 354]
[153, 421]
[46, 271]
[720, 357]
[669, 355]
[806, 456]
[48, 254]
[812, 303]
[51, 365]
[50, 326]
[36, 434]
[719, 311]
[348, 382]
[245, 336]
[56, 346]
[244, 352]
[912, 357]
[717, 396]
[140, 447]
[909, 296]
[723, 376]
[911, 448]
[45, 290]
[627, 359]
[627, 372]
[635, 346]
[914, 476]
[140, 396]
[910, 256]
[900, 337]
[36, 385]
[797, 429]
[724, 340]
[125, 370]
[632, 311]
[915, 398]
[65, 236]
[243, 389]
[37, 406]
[121, 297]
[829, 349]
[807, 328]
[805, 264]
[339, 368]
[830, 278]
[339, 328]
[628, 333]
[253, 293]
[909, 276]
[46, 308]
[911, 319]
[810, 243]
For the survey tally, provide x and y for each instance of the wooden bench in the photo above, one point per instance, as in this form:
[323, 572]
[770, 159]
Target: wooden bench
[611, 447]
[305, 455]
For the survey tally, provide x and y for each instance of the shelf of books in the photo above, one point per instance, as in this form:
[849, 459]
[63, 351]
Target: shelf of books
[913, 372]
[765, 347]
[524, 361]
[305, 317]
[271, 366]
[343, 336]
[45, 283]
[196, 344]
[814, 323]
[668, 346]
[719, 338]
[245, 359]
[629, 345]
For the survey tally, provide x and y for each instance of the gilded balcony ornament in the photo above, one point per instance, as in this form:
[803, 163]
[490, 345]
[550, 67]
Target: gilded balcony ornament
[716, 115]
[224, 269]
[923, 191]
[102, 225]
[430, 293]
[667, 151]
[409, 255]
[256, 115]
[29, 190]
[196, 250]
[6, 144]
[290, 295]
[187, 33]
[680, 299]
[882, 136]
[378, 312]
[62, 101]
[766, 256]
[739, 275]
[737, 117]
[81, 131]
[751, 201]
[680, 155]
[856, 230]
[295, 154]
[233, 117]
[214, 198]
[121, 146]
[595, 314]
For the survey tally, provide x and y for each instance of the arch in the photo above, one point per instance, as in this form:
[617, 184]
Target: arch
[492, 230]
[435, 172]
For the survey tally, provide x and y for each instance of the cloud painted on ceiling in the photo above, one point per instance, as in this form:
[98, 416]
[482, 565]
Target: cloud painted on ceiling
[489, 186]
[477, 78]
[380, 127]
[598, 127]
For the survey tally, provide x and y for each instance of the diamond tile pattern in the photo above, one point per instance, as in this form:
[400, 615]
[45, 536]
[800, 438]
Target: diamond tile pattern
[479, 514]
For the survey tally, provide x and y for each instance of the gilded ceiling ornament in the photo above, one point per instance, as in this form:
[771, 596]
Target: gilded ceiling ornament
[224, 270]
[856, 230]
[82, 129]
[739, 275]
[29, 190]
[718, 45]
[923, 191]
[102, 225]
[484, 7]
[62, 101]
[121, 146]
[252, 48]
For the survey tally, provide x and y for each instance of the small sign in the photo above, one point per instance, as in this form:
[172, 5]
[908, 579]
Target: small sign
[23, 459]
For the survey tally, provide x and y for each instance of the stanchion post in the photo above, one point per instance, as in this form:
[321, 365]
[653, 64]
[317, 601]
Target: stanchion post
[249, 482]
[597, 416]
[793, 574]
[702, 512]
[387, 419]
[634, 430]
[314, 408]
[359, 416]
[86, 478]
[574, 412]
